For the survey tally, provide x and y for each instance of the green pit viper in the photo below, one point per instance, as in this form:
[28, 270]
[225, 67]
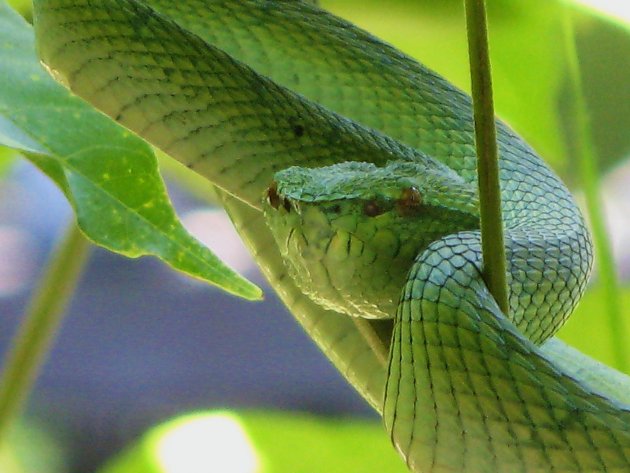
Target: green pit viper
[364, 163]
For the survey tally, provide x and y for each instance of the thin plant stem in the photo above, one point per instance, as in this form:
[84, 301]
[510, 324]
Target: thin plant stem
[41, 321]
[375, 343]
[492, 242]
[589, 176]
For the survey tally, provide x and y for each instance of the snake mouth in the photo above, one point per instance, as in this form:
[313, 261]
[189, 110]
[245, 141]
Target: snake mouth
[313, 231]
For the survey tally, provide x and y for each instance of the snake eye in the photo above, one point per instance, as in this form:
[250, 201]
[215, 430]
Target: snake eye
[410, 201]
[272, 195]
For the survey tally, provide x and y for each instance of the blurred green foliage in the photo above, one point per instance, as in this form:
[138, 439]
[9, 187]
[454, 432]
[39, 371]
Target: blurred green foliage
[7, 157]
[23, 7]
[604, 49]
[586, 330]
[259, 442]
[30, 449]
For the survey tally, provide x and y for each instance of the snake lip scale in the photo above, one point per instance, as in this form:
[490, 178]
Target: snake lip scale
[373, 215]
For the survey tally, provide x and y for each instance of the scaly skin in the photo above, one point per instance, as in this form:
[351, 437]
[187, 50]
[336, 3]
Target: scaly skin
[466, 389]
[334, 226]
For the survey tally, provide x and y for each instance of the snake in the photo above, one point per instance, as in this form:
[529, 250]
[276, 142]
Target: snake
[349, 170]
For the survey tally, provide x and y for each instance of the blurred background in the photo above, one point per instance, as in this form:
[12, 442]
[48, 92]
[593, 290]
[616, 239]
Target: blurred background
[142, 344]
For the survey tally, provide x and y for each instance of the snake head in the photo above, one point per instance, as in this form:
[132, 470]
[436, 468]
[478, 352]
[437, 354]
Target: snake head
[335, 225]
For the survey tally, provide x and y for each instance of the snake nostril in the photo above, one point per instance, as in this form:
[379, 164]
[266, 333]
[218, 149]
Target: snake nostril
[372, 209]
[272, 195]
[287, 204]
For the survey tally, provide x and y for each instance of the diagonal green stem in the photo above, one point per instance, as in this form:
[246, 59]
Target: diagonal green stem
[493, 247]
[589, 175]
[43, 316]
[375, 343]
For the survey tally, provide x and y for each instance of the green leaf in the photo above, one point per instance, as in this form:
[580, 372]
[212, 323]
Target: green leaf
[109, 176]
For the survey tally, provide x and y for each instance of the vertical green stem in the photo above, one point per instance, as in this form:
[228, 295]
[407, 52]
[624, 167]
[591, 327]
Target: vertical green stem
[493, 247]
[43, 316]
[589, 175]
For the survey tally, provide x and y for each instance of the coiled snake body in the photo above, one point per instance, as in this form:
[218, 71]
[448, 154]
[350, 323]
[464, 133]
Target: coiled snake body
[378, 219]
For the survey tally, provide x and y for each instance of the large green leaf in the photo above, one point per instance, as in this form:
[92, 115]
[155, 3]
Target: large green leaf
[109, 176]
